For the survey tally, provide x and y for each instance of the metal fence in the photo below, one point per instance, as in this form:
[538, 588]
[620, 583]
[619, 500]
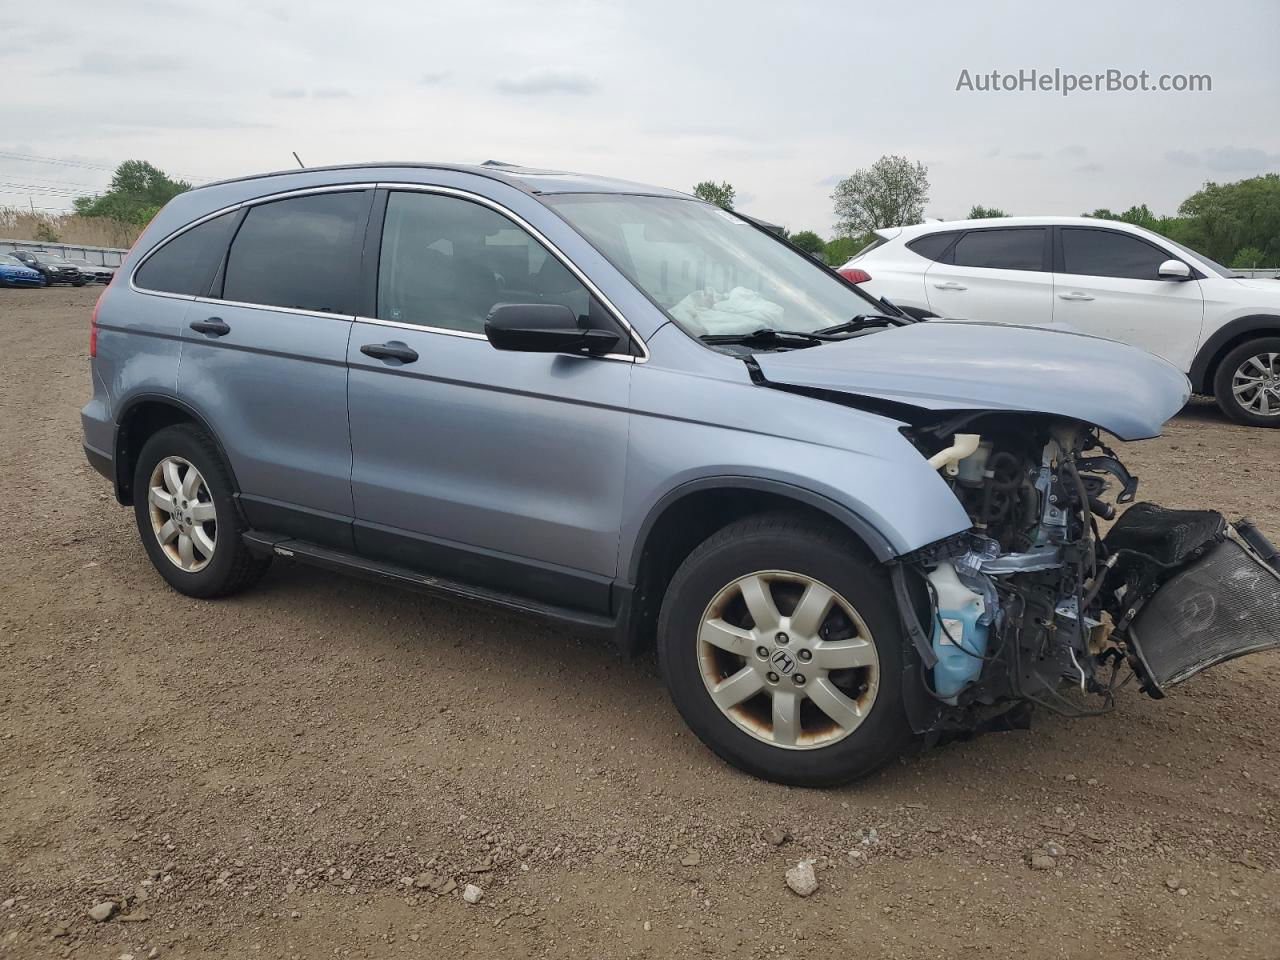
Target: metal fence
[1260, 273]
[105, 256]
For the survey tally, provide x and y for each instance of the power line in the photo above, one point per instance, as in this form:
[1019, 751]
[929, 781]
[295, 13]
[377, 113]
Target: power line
[83, 164]
[51, 191]
[62, 162]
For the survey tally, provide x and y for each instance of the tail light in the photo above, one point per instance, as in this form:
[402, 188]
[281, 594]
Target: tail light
[93, 320]
[93, 323]
[854, 275]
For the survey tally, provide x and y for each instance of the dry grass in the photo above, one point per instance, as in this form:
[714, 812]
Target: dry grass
[16, 224]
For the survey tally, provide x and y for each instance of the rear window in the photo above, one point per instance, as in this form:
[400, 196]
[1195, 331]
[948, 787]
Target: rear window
[931, 246]
[1002, 249]
[187, 262]
[301, 253]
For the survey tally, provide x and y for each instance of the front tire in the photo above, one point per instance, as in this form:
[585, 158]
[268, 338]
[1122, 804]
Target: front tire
[187, 516]
[1247, 384]
[781, 646]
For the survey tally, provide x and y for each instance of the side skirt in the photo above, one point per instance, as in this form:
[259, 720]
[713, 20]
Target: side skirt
[287, 547]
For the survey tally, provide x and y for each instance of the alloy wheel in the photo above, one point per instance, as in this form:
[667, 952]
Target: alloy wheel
[1256, 385]
[183, 515]
[788, 660]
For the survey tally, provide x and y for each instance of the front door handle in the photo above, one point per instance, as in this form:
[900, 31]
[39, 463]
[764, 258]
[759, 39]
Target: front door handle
[951, 285]
[1075, 295]
[214, 326]
[394, 350]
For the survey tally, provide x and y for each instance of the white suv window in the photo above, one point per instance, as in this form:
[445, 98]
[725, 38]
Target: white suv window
[1013, 249]
[1106, 253]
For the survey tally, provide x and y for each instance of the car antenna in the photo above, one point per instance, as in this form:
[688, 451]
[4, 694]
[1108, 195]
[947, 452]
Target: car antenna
[299, 159]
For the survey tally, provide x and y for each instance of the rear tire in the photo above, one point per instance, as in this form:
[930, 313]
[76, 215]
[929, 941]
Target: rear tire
[1253, 369]
[823, 690]
[187, 516]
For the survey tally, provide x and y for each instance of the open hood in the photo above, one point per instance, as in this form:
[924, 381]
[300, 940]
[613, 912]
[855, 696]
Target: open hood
[961, 365]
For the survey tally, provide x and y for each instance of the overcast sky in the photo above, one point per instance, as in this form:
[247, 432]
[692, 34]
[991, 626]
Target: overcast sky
[780, 99]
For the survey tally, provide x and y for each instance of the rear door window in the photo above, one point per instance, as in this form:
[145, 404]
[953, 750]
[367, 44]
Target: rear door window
[186, 263]
[302, 253]
[1002, 249]
[1106, 253]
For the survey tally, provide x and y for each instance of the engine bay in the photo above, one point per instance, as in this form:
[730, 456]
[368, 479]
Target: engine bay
[1036, 604]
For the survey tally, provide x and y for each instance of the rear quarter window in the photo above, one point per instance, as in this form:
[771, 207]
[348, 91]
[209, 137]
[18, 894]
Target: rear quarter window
[931, 246]
[186, 263]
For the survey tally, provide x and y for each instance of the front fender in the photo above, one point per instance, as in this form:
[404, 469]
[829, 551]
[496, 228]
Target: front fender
[853, 465]
[1202, 368]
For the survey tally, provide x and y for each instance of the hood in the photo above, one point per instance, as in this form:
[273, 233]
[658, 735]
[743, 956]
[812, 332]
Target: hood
[1262, 285]
[986, 366]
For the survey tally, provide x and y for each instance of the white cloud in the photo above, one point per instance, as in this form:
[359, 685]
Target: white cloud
[547, 83]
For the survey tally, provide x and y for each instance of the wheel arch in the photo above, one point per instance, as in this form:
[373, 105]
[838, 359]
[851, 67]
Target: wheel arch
[1229, 336]
[685, 516]
[139, 419]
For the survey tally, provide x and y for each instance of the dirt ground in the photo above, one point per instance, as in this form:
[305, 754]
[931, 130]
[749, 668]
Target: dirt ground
[259, 777]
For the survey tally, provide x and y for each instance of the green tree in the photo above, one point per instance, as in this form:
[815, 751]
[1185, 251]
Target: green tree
[808, 241]
[1247, 258]
[1224, 217]
[840, 250]
[721, 194]
[889, 193]
[1175, 228]
[979, 212]
[137, 191]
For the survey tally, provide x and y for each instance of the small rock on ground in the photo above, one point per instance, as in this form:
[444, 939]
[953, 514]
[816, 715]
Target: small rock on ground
[801, 879]
[102, 912]
[471, 893]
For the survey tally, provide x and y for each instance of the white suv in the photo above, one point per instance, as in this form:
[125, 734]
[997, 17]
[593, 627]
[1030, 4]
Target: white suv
[1100, 277]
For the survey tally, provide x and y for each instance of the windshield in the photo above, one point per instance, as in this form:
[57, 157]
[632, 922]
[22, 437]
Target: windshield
[11, 261]
[709, 270]
[1217, 268]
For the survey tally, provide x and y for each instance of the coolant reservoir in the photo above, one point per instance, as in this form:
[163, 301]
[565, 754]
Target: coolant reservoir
[959, 640]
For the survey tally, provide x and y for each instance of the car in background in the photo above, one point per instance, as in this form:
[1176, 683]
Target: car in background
[96, 272]
[53, 268]
[15, 273]
[1100, 277]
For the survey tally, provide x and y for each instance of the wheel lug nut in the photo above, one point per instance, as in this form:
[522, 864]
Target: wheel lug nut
[762, 653]
[805, 655]
[799, 679]
[773, 677]
[782, 638]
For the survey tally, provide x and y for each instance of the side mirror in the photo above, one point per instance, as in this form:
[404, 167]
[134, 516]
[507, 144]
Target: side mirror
[1174, 270]
[543, 328]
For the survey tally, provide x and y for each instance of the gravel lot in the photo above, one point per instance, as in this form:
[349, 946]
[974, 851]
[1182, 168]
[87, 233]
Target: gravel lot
[301, 770]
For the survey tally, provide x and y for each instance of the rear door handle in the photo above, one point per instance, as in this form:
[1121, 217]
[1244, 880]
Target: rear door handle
[214, 326]
[1075, 295]
[394, 350]
[951, 285]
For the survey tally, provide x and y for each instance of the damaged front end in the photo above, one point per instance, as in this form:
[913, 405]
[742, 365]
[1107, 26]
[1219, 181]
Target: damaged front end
[1035, 605]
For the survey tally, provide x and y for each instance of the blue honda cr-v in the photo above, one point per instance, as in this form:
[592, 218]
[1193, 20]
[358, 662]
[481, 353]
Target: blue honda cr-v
[624, 409]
